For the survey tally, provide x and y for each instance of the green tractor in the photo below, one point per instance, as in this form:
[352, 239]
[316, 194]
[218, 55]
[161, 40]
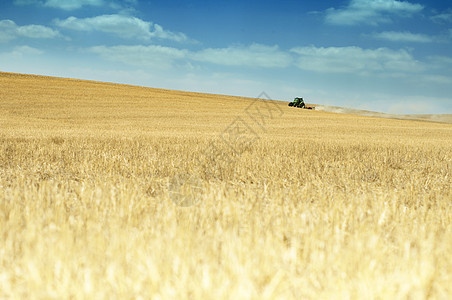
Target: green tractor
[297, 102]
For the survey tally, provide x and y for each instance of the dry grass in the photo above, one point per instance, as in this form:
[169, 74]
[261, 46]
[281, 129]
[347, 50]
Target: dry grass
[308, 205]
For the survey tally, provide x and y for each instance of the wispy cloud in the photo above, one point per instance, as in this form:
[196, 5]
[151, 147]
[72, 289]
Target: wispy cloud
[438, 79]
[354, 60]
[73, 4]
[19, 52]
[372, 12]
[142, 56]
[403, 36]
[68, 4]
[9, 30]
[27, 50]
[255, 55]
[331, 60]
[121, 25]
[444, 17]
[440, 61]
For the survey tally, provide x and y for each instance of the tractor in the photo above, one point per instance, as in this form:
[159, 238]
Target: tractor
[299, 102]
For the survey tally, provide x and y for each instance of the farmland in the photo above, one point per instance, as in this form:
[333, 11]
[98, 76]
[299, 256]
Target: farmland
[116, 191]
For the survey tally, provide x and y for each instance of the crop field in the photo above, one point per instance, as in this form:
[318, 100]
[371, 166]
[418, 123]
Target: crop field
[110, 191]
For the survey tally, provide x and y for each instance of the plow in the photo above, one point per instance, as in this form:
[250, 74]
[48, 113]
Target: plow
[299, 102]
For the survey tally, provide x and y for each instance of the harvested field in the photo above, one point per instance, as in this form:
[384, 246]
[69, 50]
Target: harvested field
[115, 191]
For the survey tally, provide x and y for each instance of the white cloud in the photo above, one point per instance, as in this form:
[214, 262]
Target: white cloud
[26, 2]
[67, 4]
[121, 25]
[141, 56]
[371, 12]
[255, 55]
[438, 79]
[37, 31]
[440, 62]
[7, 30]
[10, 30]
[355, 60]
[72, 4]
[19, 52]
[444, 17]
[398, 36]
[325, 60]
[27, 50]
[164, 57]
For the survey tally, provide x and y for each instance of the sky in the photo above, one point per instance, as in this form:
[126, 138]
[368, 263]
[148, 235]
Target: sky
[382, 55]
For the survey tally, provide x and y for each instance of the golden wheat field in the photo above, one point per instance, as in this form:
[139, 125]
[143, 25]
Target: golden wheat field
[110, 191]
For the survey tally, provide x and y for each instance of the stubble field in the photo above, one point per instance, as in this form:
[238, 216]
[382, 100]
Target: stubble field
[110, 191]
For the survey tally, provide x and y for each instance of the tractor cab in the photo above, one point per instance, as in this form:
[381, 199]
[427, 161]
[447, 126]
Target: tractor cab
[297, 102]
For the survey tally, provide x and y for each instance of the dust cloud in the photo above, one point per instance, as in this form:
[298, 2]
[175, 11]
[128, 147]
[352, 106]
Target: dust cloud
[443, 118]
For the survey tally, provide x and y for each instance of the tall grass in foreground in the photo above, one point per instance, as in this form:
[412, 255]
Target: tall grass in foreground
[93, 218]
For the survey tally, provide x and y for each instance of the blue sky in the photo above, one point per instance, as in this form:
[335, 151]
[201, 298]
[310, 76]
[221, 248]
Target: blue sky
[384, 55]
